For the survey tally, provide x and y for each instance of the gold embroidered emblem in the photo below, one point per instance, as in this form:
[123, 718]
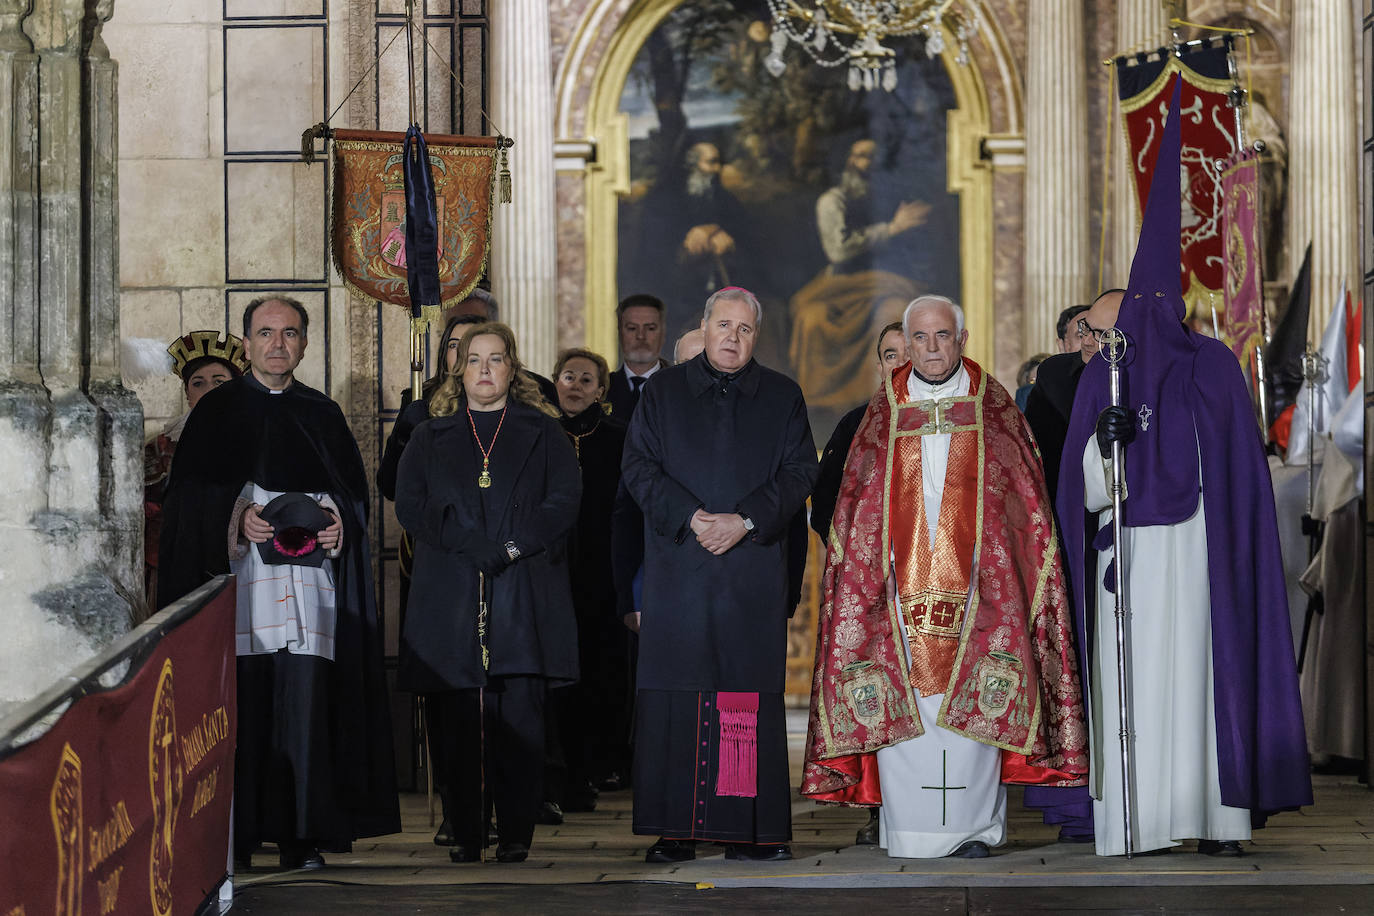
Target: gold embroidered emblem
[165, 776]
[863, 688]
[65, 806]
[999, 679]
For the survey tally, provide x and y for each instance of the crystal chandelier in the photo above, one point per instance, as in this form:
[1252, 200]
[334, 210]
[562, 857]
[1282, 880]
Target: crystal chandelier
[839, 32]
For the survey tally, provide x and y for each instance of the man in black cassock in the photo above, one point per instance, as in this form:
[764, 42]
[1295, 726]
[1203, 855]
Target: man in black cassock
[719, 457]
[314, 766]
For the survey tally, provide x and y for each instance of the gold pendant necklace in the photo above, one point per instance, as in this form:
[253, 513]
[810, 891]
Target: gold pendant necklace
[484, 478]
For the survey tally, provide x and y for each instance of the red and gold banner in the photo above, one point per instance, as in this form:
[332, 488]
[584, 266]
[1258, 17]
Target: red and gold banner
[1244, 279]
[369, 210]
[1208, 137]
[123, 805]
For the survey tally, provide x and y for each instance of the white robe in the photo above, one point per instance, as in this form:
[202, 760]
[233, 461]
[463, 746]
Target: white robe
[1173, 713]
[281, 606]
[940, 790]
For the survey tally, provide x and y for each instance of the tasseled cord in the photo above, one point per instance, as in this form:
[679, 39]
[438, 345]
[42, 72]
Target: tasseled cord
[504, 144]
[737, 773]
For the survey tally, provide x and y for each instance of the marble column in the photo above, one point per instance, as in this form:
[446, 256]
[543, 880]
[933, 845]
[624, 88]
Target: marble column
[1323, 153]
[1141, 25]
[71, 525]
[1058, 253]
[524, 255]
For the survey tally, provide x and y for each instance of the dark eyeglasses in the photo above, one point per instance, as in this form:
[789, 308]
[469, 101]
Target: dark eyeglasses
[1084, 329]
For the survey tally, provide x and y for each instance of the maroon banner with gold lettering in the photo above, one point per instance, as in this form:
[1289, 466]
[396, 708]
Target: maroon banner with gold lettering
[123, 805]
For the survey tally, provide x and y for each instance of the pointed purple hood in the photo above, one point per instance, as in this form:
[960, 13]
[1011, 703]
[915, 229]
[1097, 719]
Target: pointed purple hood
[1195, 433]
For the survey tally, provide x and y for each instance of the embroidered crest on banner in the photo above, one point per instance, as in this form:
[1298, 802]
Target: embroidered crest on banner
[369, 210]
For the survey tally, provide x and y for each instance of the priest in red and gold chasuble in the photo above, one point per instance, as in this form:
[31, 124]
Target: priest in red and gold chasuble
[984, 600]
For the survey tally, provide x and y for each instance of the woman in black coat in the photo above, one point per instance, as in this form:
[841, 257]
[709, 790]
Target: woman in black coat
[489, 489]
[593, 716]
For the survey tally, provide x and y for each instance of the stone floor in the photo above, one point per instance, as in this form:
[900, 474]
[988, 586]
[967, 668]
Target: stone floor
[1317, 860]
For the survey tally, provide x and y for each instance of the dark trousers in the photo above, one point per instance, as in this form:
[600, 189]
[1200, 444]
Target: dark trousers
[493, 755]
[283, 774]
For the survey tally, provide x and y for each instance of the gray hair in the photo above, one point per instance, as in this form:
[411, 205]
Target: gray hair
[738, 293]
[922, 302]
[487, 299]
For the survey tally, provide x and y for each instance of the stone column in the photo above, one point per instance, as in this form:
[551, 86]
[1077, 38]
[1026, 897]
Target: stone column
[1323, 153]
[1141, 25]
[1058, 269]
[71, 525]
[524, 263]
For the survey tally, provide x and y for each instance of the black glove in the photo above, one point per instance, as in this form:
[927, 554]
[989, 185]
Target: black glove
[1114, 424]
[488, 556]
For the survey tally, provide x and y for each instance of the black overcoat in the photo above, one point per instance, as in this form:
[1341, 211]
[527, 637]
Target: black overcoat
[292, 441]
[531, 628]
[717, 623]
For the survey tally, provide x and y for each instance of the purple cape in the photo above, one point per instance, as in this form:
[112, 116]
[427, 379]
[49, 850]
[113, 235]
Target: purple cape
[1198, 433]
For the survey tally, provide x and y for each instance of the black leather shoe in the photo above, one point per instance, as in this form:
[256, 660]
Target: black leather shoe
[868, 833]
[306, 858]
[1221, 848]
[612, 782]
[444, 835]
[973, 849]
[765, 852]
[1075, 837]
[667, 851]
[1161, 851]
[512, 852]
[550, 815]
[463, 854]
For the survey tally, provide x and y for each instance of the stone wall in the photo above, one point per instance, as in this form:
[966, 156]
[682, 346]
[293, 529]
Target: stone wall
[71, 523]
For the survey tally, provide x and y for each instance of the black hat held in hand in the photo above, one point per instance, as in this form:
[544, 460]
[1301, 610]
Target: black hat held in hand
[296, 521]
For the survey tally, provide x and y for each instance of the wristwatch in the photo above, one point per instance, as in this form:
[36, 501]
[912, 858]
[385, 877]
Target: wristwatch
[512, 551]
[748, 522]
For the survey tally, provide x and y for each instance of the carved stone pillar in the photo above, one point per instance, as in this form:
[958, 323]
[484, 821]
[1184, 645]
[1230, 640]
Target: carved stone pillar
[1141, 25]
[71, 526]
[1058, 269]
[1323, 153]
[524, 250]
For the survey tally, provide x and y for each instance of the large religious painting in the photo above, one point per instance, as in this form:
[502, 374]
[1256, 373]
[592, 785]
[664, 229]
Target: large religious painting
[831, 205]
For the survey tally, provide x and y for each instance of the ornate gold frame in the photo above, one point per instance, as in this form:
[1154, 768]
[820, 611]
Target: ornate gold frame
[969, 176]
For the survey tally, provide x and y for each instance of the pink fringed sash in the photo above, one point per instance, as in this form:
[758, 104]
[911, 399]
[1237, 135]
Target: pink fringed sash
[737, 773]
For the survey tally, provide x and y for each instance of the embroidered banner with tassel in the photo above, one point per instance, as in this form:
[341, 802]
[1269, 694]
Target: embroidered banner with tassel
[368, 225]
[1145, 87]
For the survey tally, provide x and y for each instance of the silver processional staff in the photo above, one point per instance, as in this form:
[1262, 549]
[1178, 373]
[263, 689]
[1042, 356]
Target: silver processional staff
[1113, 348]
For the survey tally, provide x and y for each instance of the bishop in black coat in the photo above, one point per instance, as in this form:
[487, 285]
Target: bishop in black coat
[714, 628]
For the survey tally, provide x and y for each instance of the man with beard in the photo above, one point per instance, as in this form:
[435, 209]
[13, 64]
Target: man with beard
[685, 236]
[838, 312]
[640, 320]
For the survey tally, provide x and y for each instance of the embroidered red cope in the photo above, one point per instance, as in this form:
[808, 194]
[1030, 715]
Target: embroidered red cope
[985, 606]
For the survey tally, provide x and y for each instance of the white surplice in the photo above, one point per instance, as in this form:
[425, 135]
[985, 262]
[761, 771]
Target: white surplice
[940, 790]
[1173, 712]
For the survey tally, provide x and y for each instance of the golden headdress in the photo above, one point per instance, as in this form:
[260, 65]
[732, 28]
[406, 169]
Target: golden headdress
[200, 344]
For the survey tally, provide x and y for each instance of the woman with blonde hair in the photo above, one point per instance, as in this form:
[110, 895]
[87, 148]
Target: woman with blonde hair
[489, 488]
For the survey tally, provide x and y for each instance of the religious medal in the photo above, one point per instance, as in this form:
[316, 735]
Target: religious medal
[484, 478]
